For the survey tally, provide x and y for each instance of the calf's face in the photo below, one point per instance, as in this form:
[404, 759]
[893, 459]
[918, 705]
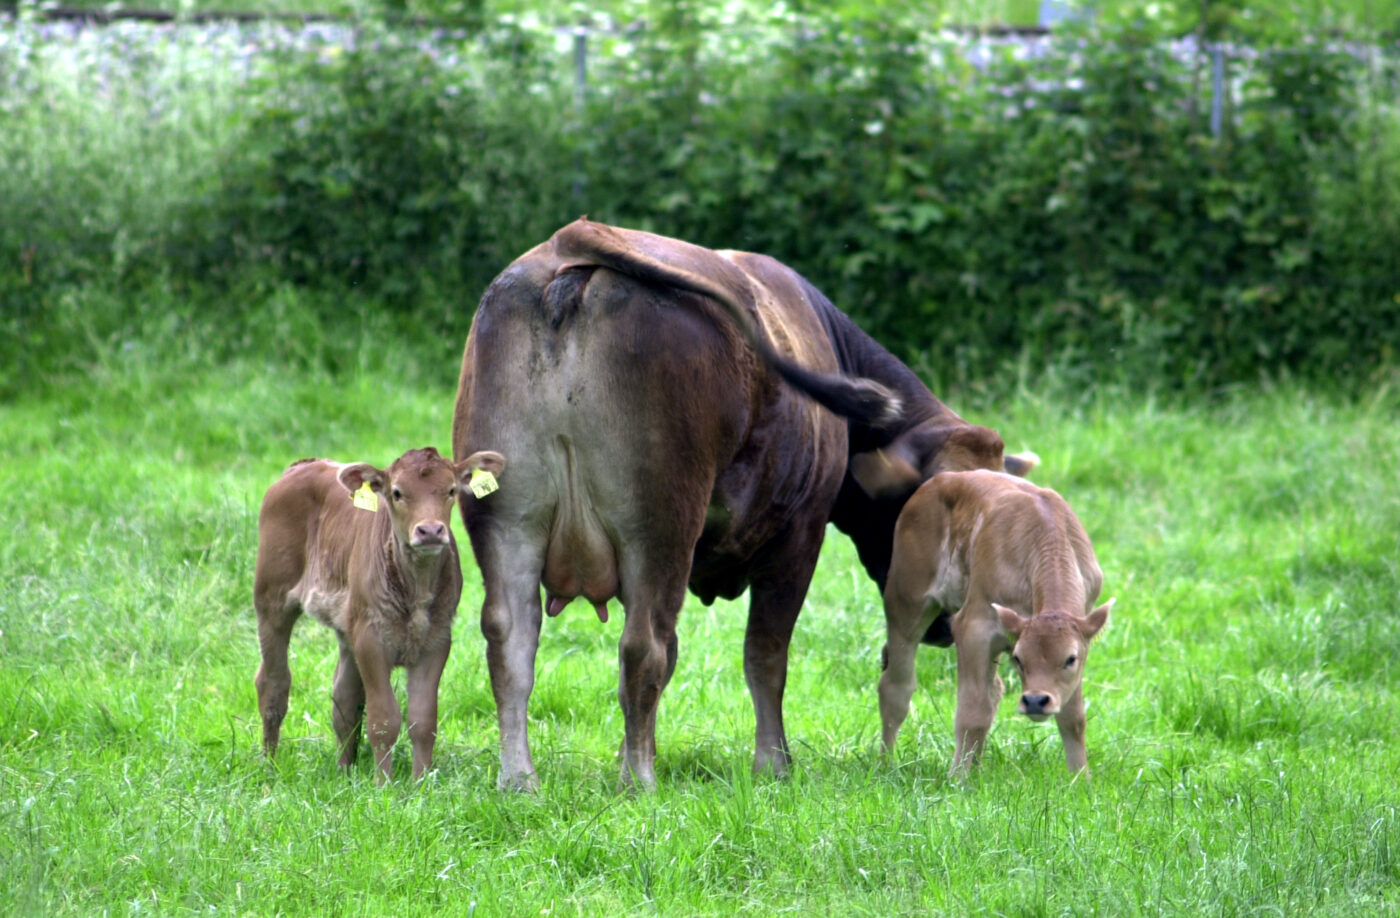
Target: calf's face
[1049, 655]
[419, 490]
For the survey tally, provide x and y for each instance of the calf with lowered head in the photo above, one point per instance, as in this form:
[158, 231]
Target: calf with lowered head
[380, 568]
[981, 548]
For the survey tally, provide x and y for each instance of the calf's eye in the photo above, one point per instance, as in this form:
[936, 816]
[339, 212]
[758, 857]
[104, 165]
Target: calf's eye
[1070, 662]
[1016, 660]
[398, 495]
[451, 493]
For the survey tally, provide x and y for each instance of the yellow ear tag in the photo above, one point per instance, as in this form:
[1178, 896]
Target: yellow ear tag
[366, 499]
[483, 482]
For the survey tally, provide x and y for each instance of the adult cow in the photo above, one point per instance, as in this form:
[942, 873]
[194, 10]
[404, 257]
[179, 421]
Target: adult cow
[635, 385]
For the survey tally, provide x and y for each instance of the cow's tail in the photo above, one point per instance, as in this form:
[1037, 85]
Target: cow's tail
[699, 270]
[854, 397]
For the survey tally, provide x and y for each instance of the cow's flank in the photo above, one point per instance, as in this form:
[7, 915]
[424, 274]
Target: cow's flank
[656, 400]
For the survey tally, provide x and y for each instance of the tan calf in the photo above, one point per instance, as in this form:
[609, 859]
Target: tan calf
[381, 569]
[975, 546]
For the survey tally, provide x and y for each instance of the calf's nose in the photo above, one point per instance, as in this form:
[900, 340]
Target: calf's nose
[430, 532]
[1034, 704]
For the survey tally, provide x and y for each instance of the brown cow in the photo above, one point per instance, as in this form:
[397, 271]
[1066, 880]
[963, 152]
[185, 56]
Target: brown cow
[973, 547]
[381, 569]
[636, 383]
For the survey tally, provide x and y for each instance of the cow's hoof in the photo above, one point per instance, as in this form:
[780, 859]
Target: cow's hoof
[525, 782]
[775, 763]
[633, 782]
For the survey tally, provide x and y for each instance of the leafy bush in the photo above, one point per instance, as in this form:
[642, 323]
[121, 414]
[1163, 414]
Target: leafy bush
[971, 202]
[378, 163]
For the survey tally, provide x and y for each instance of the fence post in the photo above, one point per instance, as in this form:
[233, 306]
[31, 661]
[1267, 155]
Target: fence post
[580, 103]
[1217, 89]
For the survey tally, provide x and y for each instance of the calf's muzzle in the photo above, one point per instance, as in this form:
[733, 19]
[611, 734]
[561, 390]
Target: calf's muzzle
[429, 535]
[1038, 706]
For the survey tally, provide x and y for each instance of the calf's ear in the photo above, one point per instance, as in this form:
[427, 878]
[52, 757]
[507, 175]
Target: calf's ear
[486, 460]
[1011, 620]
[357, 473]
[1095, 620]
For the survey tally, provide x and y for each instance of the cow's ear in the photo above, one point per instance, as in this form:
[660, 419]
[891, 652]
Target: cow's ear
[885, 473]
[1093, 623]
[1020, 464]
[1011, 621]
[486, 460]
[355, 474]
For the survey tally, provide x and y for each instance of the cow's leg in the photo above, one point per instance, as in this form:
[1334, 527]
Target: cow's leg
[979, 642]
[774, 602]
[383, 718]
[646, 660]
[274, 677]
[510, 622]
[347, 704]
[906, 622]
[423, 680]
[1071, 722]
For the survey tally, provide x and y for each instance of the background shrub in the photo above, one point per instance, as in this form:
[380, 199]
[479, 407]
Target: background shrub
[973, 203]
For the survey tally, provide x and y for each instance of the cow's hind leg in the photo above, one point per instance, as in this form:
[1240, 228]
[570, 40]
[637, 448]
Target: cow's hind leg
[510, 622]
[646, 660]
[274, 678]
[775, 600]
[347, 704]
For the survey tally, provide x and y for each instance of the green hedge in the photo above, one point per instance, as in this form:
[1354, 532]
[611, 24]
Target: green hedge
[1067, 206]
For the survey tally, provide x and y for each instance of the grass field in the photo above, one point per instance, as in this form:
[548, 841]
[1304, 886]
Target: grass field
[1243, 700]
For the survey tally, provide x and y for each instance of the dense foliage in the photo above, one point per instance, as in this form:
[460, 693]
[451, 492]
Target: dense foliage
[972, 202]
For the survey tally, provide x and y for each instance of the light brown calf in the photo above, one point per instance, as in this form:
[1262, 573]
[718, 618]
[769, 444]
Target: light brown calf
[382, 571]
[976, 546]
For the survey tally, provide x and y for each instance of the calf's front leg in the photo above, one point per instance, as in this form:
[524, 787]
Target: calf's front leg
[423, 680]
[382, 715]
[979, 642]
[1071, 722]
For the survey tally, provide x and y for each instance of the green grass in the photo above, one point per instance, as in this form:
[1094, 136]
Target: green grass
[1243, 700]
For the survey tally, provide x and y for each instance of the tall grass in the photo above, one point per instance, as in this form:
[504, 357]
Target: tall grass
[1243, 701]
